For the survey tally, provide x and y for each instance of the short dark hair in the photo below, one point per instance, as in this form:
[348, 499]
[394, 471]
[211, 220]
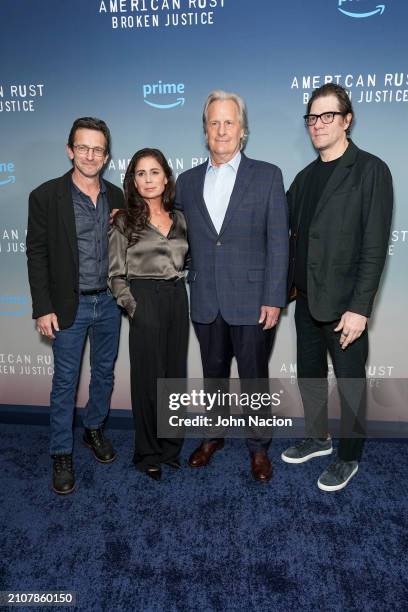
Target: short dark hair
[332, 89]
[90, 123]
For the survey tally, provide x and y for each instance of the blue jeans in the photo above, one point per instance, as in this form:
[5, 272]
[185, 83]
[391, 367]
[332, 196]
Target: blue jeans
[99, 316]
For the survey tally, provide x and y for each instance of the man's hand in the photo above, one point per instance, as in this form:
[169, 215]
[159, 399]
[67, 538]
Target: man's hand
[352, 326]
[270, 316]
[112, 215]
[47, 324]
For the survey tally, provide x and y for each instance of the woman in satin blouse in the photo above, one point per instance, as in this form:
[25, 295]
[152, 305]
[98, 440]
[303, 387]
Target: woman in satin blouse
[147, 251]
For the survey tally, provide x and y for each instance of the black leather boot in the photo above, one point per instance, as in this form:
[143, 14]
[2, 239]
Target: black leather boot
[101, 447]
[63, 480]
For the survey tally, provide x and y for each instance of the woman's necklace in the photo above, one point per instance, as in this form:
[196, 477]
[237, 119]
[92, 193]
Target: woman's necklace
[159, 219]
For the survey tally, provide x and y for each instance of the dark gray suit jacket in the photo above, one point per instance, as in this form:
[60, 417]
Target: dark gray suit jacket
[52, 250]
[243, 267]
[348, 236]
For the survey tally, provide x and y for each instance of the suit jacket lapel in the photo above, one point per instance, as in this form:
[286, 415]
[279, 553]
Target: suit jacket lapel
[339, 174]
[242, 181]
[111, 197]
[199, 197]
[66, 206]
[301, 199]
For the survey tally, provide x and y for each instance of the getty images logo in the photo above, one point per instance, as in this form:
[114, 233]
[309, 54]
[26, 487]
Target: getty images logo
[168, 91]
[7, 168]
[379, 9]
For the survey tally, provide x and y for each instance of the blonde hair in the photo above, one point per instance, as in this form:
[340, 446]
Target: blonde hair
[220, 94]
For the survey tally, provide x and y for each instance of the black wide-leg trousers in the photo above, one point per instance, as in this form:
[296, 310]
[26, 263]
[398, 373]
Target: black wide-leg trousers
[314, 340]
[158, 341]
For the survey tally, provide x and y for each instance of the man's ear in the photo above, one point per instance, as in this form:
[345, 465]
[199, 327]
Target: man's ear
[348, 119]
[70, 152]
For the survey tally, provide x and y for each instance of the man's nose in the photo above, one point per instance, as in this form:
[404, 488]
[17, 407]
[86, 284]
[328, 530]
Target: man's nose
[90, 153]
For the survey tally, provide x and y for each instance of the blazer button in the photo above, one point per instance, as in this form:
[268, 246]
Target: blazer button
[218, 242]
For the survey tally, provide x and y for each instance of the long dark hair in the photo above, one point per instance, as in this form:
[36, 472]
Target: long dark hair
[135, 217]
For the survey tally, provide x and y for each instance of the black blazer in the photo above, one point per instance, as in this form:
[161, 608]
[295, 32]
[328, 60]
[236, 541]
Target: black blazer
[52, 249]
[348, 236]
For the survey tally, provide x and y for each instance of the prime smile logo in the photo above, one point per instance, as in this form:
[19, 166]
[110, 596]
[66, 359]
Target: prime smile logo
[7, 168]
[377, 10]
[173, 94]
[14, 305]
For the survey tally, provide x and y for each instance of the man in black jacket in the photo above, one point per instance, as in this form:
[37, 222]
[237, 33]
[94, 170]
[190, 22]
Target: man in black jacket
[67, 251]
[340, 216]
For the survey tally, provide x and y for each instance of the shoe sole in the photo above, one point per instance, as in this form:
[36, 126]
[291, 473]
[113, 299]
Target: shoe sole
[174, 467]
[97, 458]
[323, 487]
[262, 480]
[196, 467]
[154, 475]
[321, 453]
[63, 492]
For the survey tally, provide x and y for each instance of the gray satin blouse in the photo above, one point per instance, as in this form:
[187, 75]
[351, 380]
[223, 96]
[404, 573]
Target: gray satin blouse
[154, 256]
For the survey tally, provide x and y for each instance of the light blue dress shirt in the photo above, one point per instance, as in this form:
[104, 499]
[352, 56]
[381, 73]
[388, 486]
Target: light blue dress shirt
[218, 185]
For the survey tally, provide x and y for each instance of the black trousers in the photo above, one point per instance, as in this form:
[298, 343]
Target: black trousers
[314, 340]
[251, 346]
[158, 340]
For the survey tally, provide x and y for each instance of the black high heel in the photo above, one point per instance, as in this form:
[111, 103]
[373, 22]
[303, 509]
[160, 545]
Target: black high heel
[154, 472]
[174, 463]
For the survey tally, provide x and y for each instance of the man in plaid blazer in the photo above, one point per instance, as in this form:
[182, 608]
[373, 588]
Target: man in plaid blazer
[236, 215]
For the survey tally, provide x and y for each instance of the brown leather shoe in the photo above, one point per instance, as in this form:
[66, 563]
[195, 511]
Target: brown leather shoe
[261, 466]
[202, 455]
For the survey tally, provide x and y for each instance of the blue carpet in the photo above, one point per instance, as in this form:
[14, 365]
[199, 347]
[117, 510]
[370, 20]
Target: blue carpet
[209, 539]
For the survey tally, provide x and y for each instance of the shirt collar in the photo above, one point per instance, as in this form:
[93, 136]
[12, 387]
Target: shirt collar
[233, 163]
[102, 187]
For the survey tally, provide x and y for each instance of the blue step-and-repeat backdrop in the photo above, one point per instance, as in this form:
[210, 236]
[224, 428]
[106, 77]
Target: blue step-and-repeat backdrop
[146, 67]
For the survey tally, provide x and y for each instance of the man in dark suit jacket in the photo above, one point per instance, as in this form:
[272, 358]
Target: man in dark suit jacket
[236, 215]
[67, 251]
[340, 216]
